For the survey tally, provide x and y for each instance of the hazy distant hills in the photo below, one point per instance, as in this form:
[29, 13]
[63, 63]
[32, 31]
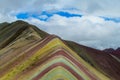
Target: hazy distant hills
[28, 53]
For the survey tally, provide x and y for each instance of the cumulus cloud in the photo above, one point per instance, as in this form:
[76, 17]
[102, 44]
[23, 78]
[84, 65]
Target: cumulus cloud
[107, 8]
[88, 30]
[88, 7]
[7, 18]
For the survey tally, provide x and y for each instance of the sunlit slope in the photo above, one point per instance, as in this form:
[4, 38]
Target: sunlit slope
[41, 63]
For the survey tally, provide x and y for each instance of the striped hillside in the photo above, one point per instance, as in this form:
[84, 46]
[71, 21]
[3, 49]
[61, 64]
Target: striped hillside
[27, 53]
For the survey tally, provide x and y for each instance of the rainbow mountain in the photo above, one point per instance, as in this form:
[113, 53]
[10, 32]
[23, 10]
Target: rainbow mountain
[28, 53]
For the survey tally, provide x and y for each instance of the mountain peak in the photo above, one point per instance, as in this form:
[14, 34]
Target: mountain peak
[20, 21]
[27, 52]
[11, 31]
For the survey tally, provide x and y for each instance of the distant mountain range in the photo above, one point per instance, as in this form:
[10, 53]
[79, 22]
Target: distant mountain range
[28, 53]
[113, 52]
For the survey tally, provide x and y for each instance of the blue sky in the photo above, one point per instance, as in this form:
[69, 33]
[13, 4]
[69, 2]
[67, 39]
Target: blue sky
[26, 15]
[92, 23]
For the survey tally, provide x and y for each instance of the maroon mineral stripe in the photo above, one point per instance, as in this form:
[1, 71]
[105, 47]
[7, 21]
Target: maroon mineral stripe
[56, 65]
[62, 52]
[43, 60]
[27, 54]
[85, 70]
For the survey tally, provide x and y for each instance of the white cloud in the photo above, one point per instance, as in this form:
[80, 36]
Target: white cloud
[88, 30]
[7, 18]
[87, 7]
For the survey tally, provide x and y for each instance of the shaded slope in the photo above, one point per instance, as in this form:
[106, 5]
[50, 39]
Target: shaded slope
[102, 61]
[9, 32]
[3, 25]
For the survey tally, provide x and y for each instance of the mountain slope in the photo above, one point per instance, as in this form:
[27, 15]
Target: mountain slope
[27, 53]
[10, 32]
[41, 52]
[102, 61]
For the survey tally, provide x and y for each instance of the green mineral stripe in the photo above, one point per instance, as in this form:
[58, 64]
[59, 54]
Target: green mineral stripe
[58, 73]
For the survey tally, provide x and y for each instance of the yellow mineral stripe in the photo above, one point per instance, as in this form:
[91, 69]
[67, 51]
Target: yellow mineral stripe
[42, 52]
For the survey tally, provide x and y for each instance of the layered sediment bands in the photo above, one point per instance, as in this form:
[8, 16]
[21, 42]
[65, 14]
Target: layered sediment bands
[45, 50]
[28, 53]
[102, 61]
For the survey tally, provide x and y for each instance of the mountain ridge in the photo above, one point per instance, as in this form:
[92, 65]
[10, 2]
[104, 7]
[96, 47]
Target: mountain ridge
[22, 44]
[15, 32]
